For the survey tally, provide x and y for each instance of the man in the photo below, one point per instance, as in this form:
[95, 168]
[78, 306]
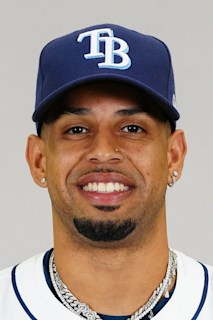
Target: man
[107, 148]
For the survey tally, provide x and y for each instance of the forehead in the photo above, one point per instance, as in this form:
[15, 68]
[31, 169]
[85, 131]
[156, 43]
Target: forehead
[100, 93]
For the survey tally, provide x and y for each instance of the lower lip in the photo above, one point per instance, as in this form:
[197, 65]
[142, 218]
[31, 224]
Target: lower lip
[104, 198]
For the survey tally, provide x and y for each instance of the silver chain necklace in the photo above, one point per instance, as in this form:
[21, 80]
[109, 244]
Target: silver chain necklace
[83, 310]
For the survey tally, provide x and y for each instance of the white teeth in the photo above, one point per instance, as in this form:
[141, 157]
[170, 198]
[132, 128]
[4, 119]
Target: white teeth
[110, 187]
[95, 186]
[105, 187]
[101, 187]
[117, 186]
[90, 186]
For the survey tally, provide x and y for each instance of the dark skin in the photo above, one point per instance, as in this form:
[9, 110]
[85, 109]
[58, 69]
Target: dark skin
[79, 148]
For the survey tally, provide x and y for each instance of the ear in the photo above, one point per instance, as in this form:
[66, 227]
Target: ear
[177, 149]
[36, 159]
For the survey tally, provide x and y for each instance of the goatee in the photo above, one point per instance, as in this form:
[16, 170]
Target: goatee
[105, 231]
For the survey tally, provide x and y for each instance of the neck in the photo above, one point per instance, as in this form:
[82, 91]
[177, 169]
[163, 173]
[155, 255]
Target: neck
[116, 280]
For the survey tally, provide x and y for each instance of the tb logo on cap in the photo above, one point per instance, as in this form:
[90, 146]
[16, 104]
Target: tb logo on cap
[96, 36]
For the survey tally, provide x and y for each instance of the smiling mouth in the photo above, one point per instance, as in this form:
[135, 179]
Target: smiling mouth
[102, 187]
[105, 188]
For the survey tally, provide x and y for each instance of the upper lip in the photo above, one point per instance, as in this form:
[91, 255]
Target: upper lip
[105, 177]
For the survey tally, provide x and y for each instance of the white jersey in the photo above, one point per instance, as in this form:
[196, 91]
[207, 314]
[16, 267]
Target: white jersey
[25, 294]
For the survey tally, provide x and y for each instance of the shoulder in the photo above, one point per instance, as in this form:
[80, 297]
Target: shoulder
[193, 265]
[191, 268]
[193, 294]
[24, 289]
[11, 306]
[6, 273]
[198, 282]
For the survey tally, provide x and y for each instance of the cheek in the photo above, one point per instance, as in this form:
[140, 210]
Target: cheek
[58, 167]
[150, 161]
[59, 163]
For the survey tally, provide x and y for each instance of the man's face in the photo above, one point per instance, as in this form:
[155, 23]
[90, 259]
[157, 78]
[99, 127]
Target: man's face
[107, 164]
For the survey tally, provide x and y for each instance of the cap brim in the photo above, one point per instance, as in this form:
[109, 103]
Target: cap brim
[167, 108]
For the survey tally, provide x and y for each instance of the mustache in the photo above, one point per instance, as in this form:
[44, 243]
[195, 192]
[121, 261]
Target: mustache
[103, 169]
[80, 172]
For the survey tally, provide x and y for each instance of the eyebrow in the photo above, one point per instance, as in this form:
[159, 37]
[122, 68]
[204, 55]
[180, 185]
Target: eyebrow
[77, 110]
[87, 111]
[130, 112]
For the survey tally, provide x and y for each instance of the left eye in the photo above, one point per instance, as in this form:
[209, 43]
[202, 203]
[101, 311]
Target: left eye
[76, 130]
[132, 129]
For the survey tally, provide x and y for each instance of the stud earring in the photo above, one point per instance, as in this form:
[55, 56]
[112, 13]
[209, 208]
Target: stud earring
[116, 150]
[43, 180]
[174, 176]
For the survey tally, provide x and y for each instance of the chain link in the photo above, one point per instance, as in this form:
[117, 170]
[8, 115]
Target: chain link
[83, 310]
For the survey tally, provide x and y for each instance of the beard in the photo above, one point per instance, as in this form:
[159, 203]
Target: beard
[141, 224]
[139, 220]
[104, 231]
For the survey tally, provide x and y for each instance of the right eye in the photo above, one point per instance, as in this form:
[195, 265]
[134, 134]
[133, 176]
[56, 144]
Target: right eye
[77, 130]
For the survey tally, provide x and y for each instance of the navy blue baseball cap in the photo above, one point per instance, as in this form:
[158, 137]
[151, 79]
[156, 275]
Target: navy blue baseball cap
[105, 52]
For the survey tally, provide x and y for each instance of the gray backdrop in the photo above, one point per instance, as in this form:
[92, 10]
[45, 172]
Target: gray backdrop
[25, 27]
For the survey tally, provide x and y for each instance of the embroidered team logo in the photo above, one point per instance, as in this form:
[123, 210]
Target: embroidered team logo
[113, 47]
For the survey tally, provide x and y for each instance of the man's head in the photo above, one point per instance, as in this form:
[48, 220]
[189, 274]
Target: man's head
[108, 144]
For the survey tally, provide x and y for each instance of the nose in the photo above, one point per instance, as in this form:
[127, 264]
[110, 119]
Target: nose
[104, 149]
